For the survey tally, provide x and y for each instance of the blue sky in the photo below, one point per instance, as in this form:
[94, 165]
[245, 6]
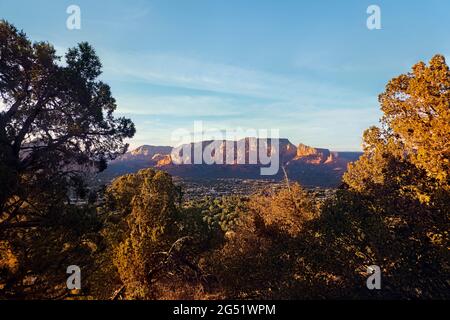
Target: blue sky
[309, 68]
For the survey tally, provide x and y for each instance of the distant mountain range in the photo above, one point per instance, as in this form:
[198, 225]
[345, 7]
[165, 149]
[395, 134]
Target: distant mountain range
[312, 167]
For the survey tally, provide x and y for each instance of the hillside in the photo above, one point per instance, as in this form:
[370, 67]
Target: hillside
[313, 167]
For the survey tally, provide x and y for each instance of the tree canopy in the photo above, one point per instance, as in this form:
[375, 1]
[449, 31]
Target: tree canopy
[56, 124]
[56, 116]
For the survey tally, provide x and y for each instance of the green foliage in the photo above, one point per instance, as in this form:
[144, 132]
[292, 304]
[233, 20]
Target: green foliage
[259, 257]
[58, 117]
[223, 212]
[158, 235]
[42, 253]
[147, 202]
[57, 123]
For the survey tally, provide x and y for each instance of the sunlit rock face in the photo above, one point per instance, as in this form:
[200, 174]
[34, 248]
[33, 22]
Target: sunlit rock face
[313, 155]
[145, 152]
[162, 160]
[308, 165]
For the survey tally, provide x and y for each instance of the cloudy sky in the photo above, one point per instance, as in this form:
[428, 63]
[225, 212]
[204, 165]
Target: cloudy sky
[311, 69]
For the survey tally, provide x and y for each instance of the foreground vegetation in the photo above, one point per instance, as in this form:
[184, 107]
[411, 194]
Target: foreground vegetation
[137, 239]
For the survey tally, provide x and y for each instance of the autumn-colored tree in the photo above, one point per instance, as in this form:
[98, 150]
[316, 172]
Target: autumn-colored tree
[416, 109]
[415, 129]
[155, 243]
[259, 258]
[286, 210]
[392, 212]
[402, 181]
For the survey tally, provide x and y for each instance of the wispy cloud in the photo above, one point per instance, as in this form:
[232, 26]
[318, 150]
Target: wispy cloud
[177, 71]
[232, 96]
[191, 106]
